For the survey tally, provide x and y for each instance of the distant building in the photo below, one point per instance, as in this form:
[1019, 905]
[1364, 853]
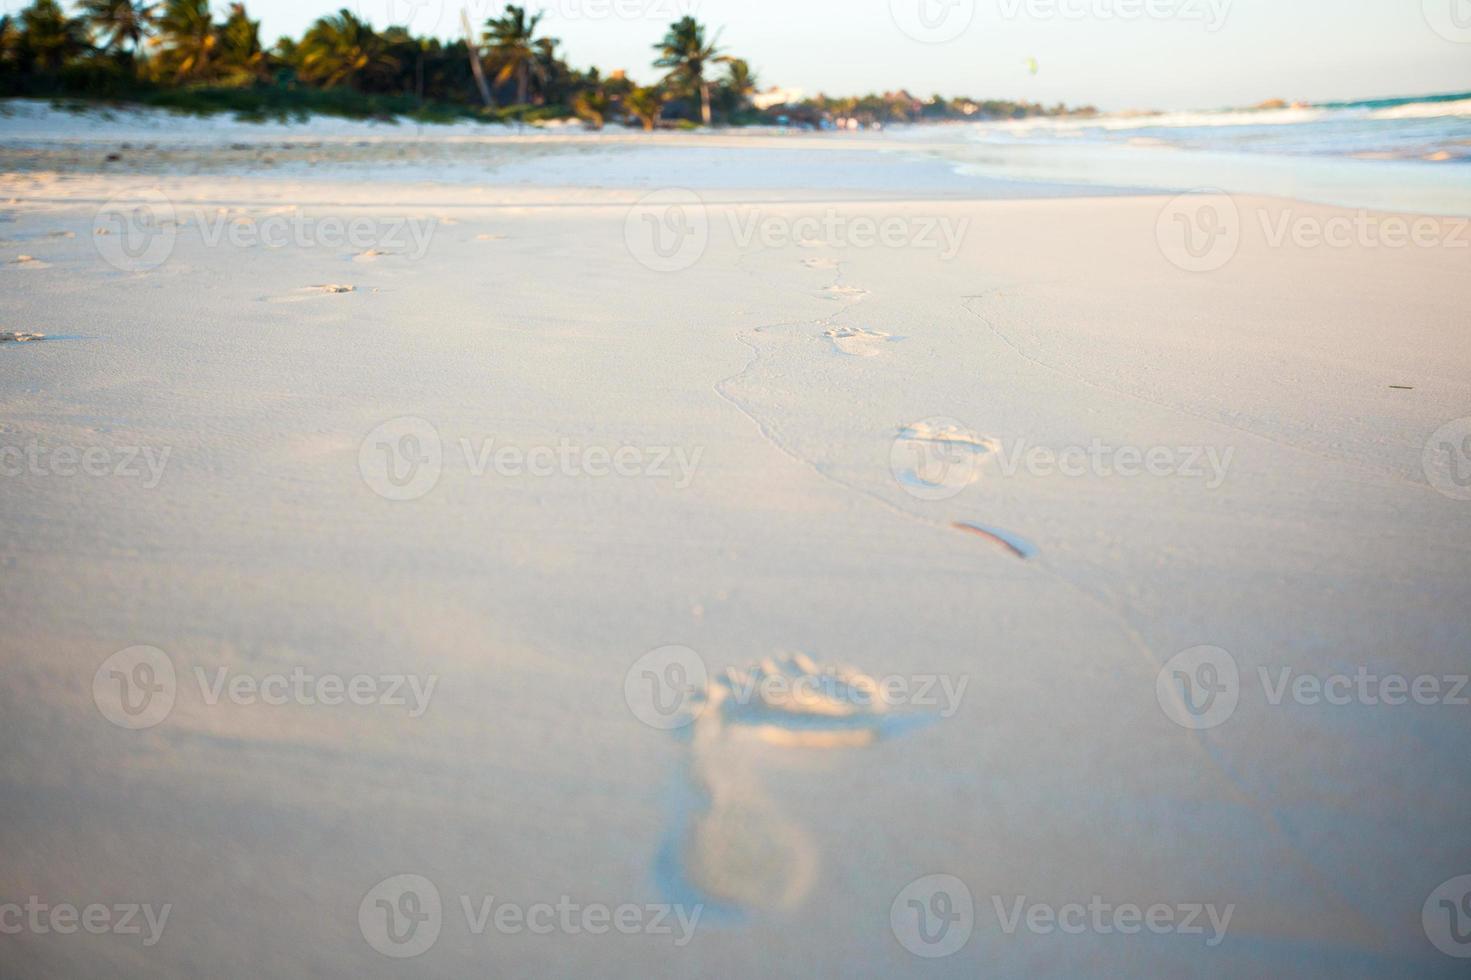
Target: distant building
[774, 97]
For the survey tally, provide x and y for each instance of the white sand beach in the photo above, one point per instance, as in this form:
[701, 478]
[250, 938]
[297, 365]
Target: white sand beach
[465, 429]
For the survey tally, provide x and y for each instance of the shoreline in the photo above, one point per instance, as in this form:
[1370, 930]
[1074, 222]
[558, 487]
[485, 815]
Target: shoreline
[941, 160]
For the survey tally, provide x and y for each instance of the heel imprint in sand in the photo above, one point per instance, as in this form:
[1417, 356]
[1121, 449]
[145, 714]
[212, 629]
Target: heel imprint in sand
[732, 848]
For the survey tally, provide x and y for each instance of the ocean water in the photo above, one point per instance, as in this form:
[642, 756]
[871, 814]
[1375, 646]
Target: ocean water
[1400, 154]
[1430, 129]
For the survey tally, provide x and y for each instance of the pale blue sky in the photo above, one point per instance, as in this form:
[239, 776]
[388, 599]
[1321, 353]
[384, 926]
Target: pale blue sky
[1293, 49]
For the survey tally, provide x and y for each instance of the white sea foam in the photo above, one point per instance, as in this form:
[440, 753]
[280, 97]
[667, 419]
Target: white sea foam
[1410, 130]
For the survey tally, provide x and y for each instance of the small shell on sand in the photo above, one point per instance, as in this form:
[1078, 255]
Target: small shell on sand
[19, 337]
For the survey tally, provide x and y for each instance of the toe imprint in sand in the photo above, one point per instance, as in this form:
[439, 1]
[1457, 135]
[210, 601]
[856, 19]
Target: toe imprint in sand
[736, 848]
[367, 256]
[29, 262]
[820, 263]
[858, 342]
[17, 337]
[937, 458]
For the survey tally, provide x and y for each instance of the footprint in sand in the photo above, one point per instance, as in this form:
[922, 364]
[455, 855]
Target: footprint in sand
[820, 263]
[937, 458]
[857, 342]
[732, 846]
[311, 292]
[29, 262]
[845, 293]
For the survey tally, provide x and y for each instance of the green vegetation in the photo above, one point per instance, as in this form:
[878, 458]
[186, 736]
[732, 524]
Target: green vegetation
[176, 54]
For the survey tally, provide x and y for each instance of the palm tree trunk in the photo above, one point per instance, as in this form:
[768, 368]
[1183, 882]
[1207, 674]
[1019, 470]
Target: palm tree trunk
[705, 101]
[475, 67]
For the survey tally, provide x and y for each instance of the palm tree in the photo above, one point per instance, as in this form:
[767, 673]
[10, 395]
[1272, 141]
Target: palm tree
[9, 40]
[187, 34]
[740, 81]
[685, 53]
[646, 105]
[551, 73]
[342, 49]
[119, 23]
[513, 43]
[48, 37]
[240, 51]
[408, 52]
[592, 105]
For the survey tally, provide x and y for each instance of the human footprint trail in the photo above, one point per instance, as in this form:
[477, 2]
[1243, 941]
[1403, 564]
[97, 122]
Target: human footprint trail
[733, 847]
